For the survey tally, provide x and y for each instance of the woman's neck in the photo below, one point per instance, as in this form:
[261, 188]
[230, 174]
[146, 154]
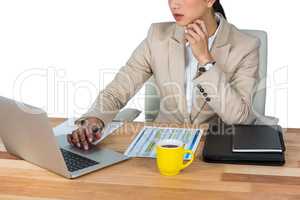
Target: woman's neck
[211, 23]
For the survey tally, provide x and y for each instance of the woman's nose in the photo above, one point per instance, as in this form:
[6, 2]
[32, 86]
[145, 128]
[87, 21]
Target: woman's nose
[175, 4]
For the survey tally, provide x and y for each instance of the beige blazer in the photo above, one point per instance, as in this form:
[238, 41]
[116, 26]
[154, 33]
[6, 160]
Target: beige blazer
[225, 90]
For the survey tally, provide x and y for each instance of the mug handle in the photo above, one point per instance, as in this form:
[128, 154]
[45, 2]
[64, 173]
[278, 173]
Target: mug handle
[190, 161]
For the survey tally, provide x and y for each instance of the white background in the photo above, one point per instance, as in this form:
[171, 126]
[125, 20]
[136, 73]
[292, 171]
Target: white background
[57, 54]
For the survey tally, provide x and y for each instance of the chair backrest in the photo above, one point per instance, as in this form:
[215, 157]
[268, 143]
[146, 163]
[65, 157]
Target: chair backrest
[152, 100]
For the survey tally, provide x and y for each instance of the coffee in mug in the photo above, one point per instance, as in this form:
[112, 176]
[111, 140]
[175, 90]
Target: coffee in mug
[170, 157]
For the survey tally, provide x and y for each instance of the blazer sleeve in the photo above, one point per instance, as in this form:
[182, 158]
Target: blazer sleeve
[232, 100]
[125, 84]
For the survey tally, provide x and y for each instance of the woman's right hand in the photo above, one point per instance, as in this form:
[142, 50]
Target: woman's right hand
[88, 131]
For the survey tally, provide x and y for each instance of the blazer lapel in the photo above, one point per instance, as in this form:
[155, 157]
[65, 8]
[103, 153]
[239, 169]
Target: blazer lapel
[220, 51]
[176, 67]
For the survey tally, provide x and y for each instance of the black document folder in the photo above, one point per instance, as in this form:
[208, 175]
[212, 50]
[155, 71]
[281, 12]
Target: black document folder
[219, 142]
[256, 139]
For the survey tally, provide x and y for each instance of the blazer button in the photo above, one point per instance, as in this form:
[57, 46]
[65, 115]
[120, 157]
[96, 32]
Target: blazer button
[207, 99]
[201, 90]
[205, 94]
[201, 70]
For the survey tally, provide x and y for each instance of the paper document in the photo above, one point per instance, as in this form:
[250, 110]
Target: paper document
[68, 126]
[145, 142]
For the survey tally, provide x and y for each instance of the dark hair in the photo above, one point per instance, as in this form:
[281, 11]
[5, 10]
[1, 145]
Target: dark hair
[219, 8]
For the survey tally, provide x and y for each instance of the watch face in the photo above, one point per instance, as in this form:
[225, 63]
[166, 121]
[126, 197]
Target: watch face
[208, 66]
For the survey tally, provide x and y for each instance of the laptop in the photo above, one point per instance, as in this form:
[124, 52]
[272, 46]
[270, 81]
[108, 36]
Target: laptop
[26, 132]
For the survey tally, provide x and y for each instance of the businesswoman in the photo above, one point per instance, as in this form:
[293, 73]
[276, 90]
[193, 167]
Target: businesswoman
[203, 66]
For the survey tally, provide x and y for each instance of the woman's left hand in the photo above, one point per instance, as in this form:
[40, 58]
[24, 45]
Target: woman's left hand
[197, 35]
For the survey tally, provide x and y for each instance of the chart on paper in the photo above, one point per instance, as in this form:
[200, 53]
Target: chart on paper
[144, 143]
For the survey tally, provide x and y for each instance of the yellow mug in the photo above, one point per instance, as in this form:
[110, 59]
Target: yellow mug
[170, 156]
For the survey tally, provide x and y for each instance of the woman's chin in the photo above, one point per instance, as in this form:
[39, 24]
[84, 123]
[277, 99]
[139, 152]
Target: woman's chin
[181, 23]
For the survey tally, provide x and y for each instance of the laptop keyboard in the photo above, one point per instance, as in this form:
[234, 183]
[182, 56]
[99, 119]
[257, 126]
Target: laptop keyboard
[76, 162]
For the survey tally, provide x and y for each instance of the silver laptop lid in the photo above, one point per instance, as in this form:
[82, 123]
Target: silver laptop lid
[26, 132]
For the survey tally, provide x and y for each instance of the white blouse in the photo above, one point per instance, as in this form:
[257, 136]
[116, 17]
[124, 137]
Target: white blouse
[191, 67]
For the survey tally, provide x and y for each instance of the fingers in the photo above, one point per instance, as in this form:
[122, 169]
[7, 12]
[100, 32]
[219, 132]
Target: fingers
[84, 136]
[197, 30]
[98, 135]
[193, 34]
[78, 138]
[93, 133]
[89, 134]
[75, 139]
[190, 38]
[96, 130]
[203, 26]
[69, 138]
[83, 132]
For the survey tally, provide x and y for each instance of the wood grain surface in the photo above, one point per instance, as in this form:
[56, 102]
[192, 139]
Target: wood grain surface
[138, 178]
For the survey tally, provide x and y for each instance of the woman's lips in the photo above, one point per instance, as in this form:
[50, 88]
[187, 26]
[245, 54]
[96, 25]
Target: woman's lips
[178, 17]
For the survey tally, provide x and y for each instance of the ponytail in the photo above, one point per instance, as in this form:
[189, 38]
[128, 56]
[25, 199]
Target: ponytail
[219, 8]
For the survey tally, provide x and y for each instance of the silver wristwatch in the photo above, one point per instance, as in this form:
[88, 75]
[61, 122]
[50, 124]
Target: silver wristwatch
[209, 65]
[206, 67]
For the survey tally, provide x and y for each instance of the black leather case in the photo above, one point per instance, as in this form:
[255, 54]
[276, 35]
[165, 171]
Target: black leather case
[218, 148]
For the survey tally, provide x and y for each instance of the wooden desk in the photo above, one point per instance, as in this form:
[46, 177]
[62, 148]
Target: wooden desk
[138, 178]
